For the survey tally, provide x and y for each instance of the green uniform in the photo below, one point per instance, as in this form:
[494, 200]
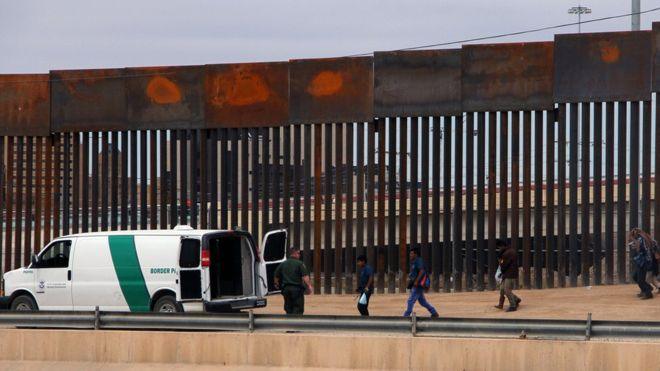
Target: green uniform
[290, 274]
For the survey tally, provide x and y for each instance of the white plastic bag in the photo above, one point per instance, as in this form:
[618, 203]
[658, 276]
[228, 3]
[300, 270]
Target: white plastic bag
[498, 275]
[363, 299]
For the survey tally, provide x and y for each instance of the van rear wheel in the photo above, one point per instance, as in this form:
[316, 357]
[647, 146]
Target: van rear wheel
[167, 304]
[23, 303]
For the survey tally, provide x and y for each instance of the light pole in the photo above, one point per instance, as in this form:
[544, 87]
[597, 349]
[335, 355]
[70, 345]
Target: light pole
[634, 20]
[579, 10]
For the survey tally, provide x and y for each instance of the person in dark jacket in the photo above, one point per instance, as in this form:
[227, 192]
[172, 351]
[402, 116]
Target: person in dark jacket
[509, 271]
[644, 256]
[365, 284]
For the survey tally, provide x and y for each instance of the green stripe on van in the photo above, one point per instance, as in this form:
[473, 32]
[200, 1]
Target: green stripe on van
[129, 273]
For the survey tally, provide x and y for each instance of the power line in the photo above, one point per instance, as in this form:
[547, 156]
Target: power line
[512, 33]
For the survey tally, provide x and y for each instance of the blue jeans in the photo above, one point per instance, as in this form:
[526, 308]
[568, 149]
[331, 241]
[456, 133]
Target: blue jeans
[417, 294]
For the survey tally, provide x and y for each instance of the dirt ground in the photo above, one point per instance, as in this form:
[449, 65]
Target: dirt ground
[604, 302]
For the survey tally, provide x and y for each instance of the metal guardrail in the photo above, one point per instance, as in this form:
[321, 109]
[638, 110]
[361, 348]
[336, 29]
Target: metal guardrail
[447, 327]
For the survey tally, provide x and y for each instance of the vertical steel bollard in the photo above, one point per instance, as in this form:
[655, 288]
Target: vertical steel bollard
[251, 321]
[587, 335]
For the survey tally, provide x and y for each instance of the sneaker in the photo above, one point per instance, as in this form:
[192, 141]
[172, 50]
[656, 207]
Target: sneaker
[511, 309]
[639, 295]
[499, 306]
[434, 315]
[518, 301]
[647, 296]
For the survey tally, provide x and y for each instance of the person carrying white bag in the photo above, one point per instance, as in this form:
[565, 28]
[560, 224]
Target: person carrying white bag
[365, 285]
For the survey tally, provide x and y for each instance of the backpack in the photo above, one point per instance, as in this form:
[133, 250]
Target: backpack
[424, 281]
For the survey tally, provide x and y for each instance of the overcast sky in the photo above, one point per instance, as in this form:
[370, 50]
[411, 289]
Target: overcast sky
[37, 36]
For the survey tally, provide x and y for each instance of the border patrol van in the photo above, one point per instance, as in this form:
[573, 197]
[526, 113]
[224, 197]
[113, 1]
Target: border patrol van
[156, 270]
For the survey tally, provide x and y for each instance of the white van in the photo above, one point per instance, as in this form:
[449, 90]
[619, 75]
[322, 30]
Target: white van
[157, 270]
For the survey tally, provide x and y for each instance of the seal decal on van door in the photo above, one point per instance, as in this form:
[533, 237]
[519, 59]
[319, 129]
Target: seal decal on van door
[129, 272]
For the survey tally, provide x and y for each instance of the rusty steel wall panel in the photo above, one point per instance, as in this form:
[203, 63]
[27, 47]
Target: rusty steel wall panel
[515, 76]
[25, 105]
[88, 100]
[655, 84]
[331, 90]
[417, 83]
[164, 97]
[609, 66]
[247, 94]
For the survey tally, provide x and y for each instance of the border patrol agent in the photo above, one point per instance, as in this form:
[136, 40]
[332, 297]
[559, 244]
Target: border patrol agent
[292, 277]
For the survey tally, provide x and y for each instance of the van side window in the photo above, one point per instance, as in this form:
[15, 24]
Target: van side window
[55, 256]
[189, 257]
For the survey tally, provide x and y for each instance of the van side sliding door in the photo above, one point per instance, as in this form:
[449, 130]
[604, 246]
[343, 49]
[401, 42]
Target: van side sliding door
[273, 249]
[190, 270]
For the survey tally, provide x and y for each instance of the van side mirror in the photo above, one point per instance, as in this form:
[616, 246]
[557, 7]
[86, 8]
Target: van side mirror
[34, 261]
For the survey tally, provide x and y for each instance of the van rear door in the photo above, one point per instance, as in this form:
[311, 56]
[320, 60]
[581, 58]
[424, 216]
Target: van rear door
[273, 249]
[190, 270]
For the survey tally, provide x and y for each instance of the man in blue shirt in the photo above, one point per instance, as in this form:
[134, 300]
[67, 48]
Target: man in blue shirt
[417, 284]
[365, 284]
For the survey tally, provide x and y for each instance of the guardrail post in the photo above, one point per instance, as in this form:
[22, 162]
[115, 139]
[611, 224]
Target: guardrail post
[587, 335]
[251, 321]
[97, 319]
[413, 328]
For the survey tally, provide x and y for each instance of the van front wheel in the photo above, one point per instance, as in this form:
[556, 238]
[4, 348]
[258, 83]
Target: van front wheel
[167, 304]
[23, 303]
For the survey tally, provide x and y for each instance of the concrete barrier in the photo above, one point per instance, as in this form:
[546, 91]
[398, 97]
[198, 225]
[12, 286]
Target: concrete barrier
[324, 350]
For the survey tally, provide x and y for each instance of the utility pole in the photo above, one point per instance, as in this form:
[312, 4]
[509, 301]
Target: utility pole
[634, 19]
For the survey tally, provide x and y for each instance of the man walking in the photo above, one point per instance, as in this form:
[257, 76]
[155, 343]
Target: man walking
[365, 284]
[418, 283]
[509, 270]
[292, 277]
